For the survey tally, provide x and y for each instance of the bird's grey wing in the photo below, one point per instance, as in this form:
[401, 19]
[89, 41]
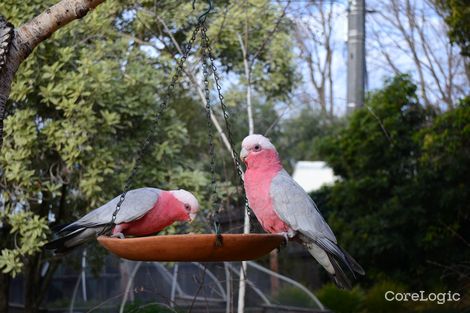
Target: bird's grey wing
[136, 203]
[295, 207]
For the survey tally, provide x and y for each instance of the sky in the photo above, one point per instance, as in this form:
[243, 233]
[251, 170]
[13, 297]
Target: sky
[434, 58]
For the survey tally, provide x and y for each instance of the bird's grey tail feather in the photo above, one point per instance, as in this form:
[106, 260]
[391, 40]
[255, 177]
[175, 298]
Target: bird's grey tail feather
[339, 277]
[70, 227]
[340, 259]
[354, 264]
[59, 228]
[333, 250]
[60, 242]
[71, 240]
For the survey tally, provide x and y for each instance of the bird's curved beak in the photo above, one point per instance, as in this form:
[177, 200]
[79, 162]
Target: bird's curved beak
[192, 216]
[243, 154]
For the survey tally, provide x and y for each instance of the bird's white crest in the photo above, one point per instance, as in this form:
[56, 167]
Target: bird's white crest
[186, 197]
[256, 139]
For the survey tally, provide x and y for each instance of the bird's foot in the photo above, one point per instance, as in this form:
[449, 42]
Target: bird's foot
[118, 235]
[287, 236]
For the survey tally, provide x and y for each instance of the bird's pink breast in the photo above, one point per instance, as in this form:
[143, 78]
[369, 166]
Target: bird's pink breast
[257, 186]
[154, 221]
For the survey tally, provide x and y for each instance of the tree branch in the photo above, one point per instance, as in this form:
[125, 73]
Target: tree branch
[249, 108]
[45, 24]
[270, 34]
[32, 33]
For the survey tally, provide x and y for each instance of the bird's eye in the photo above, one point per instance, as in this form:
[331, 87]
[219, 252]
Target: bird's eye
[257, 148]
[187, 206]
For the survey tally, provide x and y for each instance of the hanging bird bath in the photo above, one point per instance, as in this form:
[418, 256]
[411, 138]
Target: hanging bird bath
[193, 247]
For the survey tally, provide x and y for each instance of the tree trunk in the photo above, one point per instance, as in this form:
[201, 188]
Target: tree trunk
[4, 292]
[31, 283]
[5, 279]
[6, 78]
[274, 266]
[35, 285]
[466, 62]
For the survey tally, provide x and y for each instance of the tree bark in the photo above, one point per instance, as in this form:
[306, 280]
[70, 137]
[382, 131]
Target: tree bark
[30, 34]
[30, 284]
[4, 278]
[4, 292]
[45, 281]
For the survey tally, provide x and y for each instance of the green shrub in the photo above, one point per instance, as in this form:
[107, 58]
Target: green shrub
[295, 297]
[375, 302]
[339, 300]
[440, 308]
[140, 307]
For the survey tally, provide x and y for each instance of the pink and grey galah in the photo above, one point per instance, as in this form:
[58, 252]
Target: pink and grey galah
[145, 211]
[282, 206]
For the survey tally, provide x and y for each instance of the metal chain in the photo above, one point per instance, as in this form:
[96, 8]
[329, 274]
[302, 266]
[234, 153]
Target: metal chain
[207, 54]
[210, 127]
[235, 155]
[151, 134]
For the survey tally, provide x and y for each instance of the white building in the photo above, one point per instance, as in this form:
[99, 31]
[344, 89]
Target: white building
[312, 175]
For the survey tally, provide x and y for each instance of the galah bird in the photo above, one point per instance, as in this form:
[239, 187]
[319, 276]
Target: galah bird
[144, 211]
[282, 206]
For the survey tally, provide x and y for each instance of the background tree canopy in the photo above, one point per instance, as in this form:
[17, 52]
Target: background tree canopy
[402, 204]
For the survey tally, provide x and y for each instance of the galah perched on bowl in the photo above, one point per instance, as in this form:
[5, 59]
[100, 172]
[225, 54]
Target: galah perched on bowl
[282, 206]
[145, 211]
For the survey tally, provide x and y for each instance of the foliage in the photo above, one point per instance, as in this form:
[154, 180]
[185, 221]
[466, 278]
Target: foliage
[138, 307]
[375, 301]
[402, 205]
[291, 295]
[30, 233]
[253, 22]
[273, 70]
[264, 114]
[302, 133]
[458, 18]
[339, 300]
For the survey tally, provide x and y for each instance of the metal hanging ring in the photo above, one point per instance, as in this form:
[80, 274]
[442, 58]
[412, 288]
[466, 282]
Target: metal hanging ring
[202, 17]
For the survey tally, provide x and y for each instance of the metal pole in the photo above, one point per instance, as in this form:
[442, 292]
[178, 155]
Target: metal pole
[129, 284]
[356, 55]
[84, 293]
[228, 287]
[173, 285]
[289, 280]
[243, 270]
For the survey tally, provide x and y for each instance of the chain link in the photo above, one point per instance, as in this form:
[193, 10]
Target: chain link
[151, 134]
[210, 127]
[235, 156]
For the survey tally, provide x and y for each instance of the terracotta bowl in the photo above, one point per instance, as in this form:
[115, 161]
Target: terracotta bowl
[194, 247]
